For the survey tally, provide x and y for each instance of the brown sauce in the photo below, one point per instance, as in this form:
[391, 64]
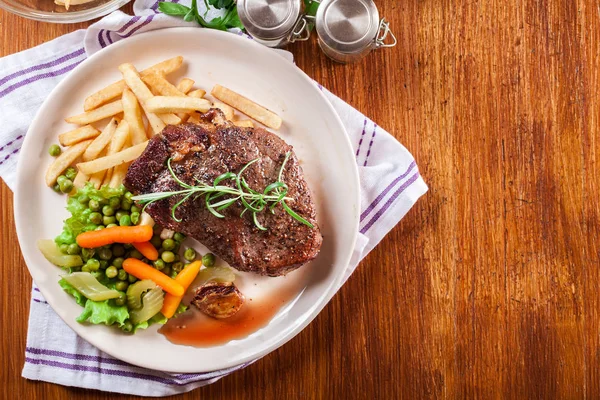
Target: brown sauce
[193, 328]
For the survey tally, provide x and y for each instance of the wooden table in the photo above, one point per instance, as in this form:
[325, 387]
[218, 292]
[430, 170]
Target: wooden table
[490, 286]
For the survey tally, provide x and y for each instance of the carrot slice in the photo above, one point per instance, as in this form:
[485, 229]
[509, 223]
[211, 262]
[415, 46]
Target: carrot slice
[147, 250]
[185, 278]
[116, 234]
[142, 271]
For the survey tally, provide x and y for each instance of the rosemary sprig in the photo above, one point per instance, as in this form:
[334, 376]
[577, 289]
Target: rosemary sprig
[252, 201]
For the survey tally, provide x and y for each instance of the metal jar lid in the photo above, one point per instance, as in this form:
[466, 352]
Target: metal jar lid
[269, 19]
[347, 26]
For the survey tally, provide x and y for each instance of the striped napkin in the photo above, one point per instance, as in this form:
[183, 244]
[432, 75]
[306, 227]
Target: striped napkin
[390, 186]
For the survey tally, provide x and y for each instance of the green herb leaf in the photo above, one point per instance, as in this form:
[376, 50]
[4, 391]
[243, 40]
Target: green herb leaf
[174, 9]
[221, 3]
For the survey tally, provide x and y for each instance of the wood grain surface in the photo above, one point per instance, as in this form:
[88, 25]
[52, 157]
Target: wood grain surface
[490, 287]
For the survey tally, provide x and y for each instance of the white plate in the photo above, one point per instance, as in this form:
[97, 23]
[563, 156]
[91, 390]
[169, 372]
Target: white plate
[311, 126]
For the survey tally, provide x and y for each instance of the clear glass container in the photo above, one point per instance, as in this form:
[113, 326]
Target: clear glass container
[48, 11]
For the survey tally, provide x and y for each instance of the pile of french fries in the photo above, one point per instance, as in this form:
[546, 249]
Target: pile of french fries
[120, 119]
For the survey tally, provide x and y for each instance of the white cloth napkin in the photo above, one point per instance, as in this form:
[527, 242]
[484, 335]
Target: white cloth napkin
[390, 186]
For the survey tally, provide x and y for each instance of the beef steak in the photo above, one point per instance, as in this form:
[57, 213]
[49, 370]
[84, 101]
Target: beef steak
[204, 152]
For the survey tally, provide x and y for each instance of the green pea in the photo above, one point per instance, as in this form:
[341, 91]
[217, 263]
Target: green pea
[136, 254]
[64, 248]
[159, 264]
[103, 264]
[120, 213]
[109, 220]
[61, 178]
[126, 204]
[93, 264]
[156, 241]
[127, 326]
[94, 205]
[83, 199]
[131, 278]
[86, 268]
[66, 186]
[121, 285]
[111, 272]
[118, 262]
[122, 299]
[87, 253]
[97, 274]
[125, 220]
[208, 260]
[99, 227]
[71, 173]
[179, 237]
[135, 208]
[118, 250]
[73, 249]
[168, 256]
[114, 202]
[122, 275]
[167, 270]
[111, 225]
[108, 211]
[54, 150]
[56, 188]
[95, 218]
[105, 254]
[189, 254]
[177, 267]
[128, 195]
[177, 258]
[135, 218]
[168, 244]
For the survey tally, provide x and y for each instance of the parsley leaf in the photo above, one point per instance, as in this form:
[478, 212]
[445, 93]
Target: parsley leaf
[229, 20]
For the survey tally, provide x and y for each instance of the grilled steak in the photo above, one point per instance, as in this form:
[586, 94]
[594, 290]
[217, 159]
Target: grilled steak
[204, 152]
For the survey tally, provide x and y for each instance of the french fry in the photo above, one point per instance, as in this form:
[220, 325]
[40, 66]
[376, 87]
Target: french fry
[103, 163]
[185, 85]
[246, 123]
[108, 176]
[132, 113]
[118, 175]
[101, 141]
[228, 111]
[248, 107]
[80, 180]
[97, 178]
[107, 110]
[194, 118]
[119, 138]
[163, 87]
[169, 118]
[63, 161]
[115, 90]
[169, 104]
[78, 135]
[198, 93]
[141, 91]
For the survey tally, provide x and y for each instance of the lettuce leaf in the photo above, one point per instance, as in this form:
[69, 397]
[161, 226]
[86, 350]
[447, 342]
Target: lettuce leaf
[103, 312]
[79, 220]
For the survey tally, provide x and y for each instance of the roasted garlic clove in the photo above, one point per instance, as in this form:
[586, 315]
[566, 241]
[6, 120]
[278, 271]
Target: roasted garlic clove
[218, 299]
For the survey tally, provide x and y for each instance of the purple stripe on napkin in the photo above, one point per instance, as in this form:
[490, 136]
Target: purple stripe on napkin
[39, 67]
[40, 301]
[108, 371]
[129, 23]
[11, 142]
[389, 203]
[370, 144]
[386, 190]
[15, 151]
[101, 39]
[361, 138]
[38, 77]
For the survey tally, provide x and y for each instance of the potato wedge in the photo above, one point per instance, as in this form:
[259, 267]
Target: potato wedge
[198, 93]
[78, 135]
[115, 90]
[63, 161]
[101, 141]
[168, 104]
[185, 85]
[141, 91]
[247, 106]
[106, 111]
[227, 110]
[132, 113]
[246, 123]
[103, 163]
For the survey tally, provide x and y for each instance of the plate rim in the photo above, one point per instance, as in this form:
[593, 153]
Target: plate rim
[80, 329]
